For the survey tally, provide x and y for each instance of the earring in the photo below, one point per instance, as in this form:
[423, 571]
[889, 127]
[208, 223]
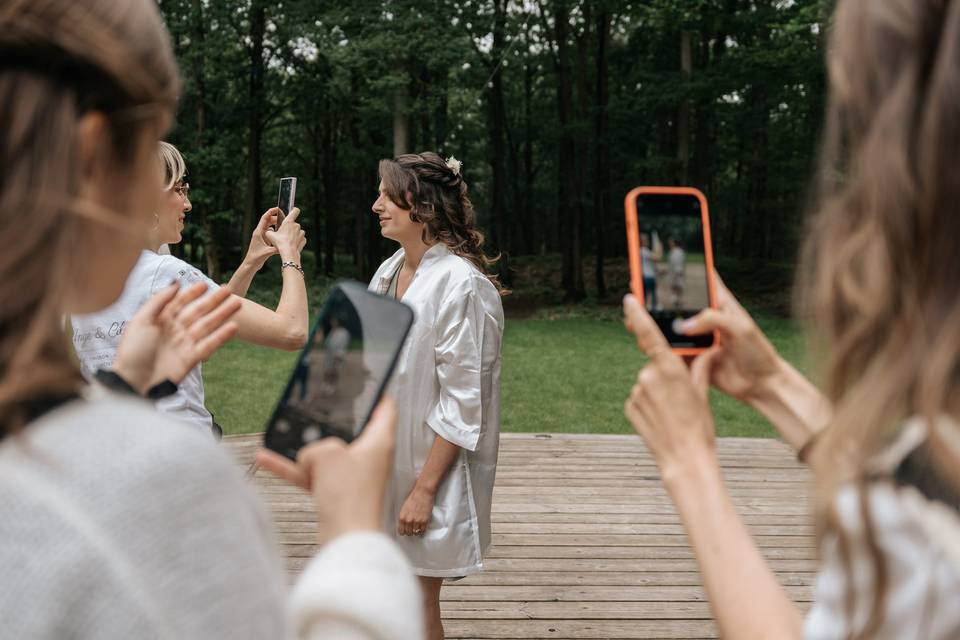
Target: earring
[156, 221]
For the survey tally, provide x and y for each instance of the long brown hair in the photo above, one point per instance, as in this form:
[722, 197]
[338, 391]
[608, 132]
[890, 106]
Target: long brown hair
[436, 195]
[880, 271]
[60, 59]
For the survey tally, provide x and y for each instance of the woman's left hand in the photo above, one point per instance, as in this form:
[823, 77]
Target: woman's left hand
[416, 512]
[172, 333]
[668, 404]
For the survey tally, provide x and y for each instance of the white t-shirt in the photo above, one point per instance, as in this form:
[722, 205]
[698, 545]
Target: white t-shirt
[97, 335]
[648, 264]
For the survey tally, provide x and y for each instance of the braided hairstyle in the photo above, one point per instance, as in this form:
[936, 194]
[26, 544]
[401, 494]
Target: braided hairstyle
[436, 196]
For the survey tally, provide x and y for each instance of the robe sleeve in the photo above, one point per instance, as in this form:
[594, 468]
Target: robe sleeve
[457, 415]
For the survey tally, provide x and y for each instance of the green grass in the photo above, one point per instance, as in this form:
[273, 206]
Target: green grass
[565, 369]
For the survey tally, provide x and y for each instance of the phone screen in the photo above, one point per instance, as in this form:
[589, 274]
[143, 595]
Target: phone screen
[342, 371]
[674, 263]
[286, 198]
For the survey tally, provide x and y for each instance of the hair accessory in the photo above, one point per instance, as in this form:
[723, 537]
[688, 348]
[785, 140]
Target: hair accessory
[454, 165]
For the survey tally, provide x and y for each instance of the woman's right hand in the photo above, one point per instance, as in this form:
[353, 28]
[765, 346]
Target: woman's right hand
[260, 249]
[348, 482]
[289, 238]
[746, 361]
[748, 368]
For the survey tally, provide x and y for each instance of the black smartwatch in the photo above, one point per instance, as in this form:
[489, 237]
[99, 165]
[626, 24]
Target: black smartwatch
[112, 380]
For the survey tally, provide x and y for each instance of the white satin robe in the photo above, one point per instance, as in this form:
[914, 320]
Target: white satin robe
[447, 383]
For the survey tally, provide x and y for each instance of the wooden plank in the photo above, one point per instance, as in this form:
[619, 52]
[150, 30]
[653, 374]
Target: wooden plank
[487, 629]
[575, 593]
[586, 543]
[619, 580]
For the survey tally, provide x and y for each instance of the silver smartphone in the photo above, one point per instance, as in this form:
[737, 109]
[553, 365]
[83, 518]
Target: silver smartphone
[287, 198]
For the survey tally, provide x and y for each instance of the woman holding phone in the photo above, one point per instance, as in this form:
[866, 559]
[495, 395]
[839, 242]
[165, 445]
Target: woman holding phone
[119, 522]
[448, 373]
[96, 336]
[878, 281]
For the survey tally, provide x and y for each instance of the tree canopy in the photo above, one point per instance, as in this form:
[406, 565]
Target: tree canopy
[556, 107]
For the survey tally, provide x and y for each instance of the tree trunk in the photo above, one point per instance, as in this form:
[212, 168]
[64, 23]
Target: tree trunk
[567, 209]
[601, 190]
[356, 171]
[683, 112]
[316, 161]
[255, 124]
[401, 117]
[208, 237]
[581, 164]
[331, 193]
[529, 225]
[497, 116]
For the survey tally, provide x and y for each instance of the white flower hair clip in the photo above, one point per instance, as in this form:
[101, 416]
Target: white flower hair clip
[454, 165]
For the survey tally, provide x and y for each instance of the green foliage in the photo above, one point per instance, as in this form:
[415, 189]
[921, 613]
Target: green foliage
[566, 373]
[339, 75]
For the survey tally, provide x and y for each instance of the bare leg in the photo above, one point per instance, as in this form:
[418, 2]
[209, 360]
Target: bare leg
[431, 606]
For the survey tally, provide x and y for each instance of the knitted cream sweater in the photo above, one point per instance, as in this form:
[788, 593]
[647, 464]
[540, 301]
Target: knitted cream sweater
[117, 523]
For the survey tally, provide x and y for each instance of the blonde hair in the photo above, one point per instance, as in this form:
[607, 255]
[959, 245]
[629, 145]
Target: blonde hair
[880, 268]
[174, 168]
[59, 60]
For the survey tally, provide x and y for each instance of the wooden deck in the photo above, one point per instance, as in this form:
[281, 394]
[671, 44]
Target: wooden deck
[586, 543]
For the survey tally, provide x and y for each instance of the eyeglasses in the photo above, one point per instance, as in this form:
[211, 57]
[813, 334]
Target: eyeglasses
[182, 189]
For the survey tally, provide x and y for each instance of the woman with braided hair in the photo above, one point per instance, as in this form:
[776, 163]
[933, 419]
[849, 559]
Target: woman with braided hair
[447, 380]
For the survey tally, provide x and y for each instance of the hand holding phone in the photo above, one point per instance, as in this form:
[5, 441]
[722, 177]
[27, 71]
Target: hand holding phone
[343, 370]
[348, 482]
[286, 199]
[671, 260]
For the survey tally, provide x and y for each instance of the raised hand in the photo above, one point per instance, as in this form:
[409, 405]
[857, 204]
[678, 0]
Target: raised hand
[668, 403]
[172, 333]
[260, 249]
[746, 361]
[348, 482]
[289, 238]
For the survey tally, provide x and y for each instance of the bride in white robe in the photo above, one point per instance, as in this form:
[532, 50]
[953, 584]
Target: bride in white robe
[447, 380]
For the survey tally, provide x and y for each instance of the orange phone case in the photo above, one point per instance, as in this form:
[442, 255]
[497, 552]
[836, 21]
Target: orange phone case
[633, 249]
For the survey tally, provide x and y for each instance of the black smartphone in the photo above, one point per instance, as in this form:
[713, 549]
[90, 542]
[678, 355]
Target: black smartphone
[342, 371]
[286, 198]
[672, 259]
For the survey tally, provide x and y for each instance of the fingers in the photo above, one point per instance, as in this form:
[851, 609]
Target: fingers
[291, 217]
[283, 468]
[206, 347]
[700, 371]
[157, 303]
[410, 527]
[268, 219]
[200, 308]
[708, 321]
[380, 431]
[649, 337]
[183, 299]
[200, 327]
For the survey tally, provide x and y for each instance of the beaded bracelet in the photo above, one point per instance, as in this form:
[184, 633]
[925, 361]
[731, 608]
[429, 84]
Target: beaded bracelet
[295, 266]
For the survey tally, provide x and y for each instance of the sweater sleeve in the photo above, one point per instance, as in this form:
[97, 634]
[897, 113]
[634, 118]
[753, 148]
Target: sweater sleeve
[358, 587]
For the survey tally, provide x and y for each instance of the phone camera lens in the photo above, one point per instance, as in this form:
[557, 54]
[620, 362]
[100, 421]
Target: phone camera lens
[310, 434]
